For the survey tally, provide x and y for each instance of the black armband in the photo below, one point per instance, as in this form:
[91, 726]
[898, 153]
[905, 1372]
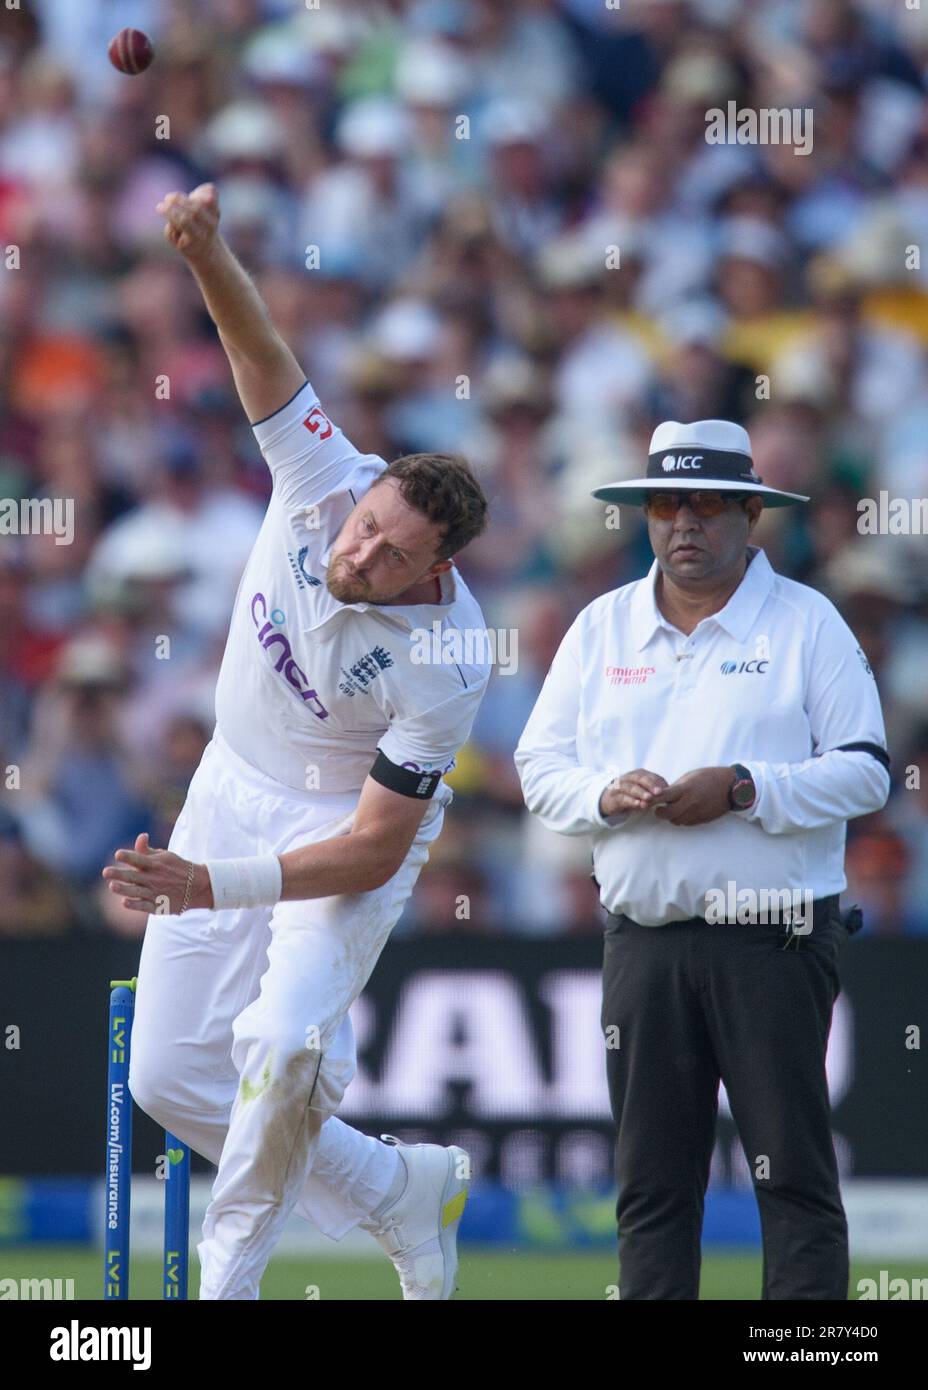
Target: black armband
[421, 785]
[873, 749]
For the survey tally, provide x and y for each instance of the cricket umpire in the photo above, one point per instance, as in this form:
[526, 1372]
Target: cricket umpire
[713, 727]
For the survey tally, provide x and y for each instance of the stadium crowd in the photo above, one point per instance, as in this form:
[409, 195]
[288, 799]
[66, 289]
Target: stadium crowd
[490, 227]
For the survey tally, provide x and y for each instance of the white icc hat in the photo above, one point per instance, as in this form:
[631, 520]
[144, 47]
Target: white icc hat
[707, 455]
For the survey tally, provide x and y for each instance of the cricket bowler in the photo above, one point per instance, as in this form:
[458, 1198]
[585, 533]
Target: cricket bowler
[307, 821]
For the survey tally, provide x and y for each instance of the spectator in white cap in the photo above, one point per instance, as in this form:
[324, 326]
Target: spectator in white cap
[366, 206]
[422, 347]
[602, 369]
[524, 51]
[526, 213]
[295, 81]
[260, 220]
[750, 279]
[80, 794]
[695, 379]
[638, 212]
[712, 727]
[434, 83]
[876, 371]
[172, 535]
[244, 137]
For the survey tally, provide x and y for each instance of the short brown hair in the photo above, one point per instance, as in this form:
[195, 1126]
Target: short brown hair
[444, 488]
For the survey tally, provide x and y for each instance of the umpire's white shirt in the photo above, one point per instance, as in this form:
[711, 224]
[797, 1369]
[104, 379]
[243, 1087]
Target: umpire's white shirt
[774, 680]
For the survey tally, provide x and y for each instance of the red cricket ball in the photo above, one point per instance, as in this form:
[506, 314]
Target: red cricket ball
[131, 51]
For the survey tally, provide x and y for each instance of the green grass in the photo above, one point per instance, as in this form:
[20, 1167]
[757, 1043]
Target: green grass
[483, 1274]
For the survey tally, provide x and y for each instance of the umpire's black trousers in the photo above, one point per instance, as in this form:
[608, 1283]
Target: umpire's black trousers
[694, 1003]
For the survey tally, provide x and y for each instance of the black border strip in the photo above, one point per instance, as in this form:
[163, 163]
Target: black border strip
[419, 785]
[873, 749]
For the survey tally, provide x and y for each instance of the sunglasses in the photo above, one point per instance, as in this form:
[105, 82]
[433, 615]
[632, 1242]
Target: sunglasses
[665, 505]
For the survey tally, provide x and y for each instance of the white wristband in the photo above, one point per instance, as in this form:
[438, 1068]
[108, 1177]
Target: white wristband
[253, 882]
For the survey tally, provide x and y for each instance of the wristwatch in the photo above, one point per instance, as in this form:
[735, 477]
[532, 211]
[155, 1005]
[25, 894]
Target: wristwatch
[742, 793]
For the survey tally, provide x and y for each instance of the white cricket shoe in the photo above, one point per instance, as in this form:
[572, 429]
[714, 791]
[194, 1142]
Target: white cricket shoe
[419, 1230]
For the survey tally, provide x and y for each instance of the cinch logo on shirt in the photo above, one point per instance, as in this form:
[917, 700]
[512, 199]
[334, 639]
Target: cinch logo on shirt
[673, 463]
[629, 675]
[728, 668]
[270, 638]
[299, 572]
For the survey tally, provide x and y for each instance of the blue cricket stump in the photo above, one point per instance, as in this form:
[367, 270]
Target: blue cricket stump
[119, 1168]
[118, 1142]
[176, 1218]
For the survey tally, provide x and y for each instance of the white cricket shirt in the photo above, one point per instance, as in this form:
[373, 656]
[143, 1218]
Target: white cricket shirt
[310, 689]
[775, 680]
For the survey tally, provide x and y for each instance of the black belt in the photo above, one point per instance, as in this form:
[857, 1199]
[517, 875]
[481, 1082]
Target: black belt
[852, 919]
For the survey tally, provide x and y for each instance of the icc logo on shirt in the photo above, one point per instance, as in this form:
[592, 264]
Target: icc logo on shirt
[728, 667]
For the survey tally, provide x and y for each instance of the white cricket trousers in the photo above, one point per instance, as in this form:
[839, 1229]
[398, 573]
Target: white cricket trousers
[242, 1045]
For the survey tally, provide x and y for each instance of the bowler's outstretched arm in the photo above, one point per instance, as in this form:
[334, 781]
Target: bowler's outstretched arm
[266, 372]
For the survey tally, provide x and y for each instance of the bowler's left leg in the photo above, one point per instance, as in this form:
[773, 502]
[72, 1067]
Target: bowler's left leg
[295, 1059]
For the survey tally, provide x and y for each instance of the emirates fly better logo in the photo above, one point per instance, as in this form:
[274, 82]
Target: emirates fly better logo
[629, 675]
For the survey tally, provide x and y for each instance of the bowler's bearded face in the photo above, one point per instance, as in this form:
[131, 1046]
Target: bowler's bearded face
[384, 548]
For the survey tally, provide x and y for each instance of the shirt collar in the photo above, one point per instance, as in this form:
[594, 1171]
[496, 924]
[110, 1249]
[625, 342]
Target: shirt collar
[737, 617]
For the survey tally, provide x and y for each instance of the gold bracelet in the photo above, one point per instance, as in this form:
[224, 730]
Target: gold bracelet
[186, 903]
